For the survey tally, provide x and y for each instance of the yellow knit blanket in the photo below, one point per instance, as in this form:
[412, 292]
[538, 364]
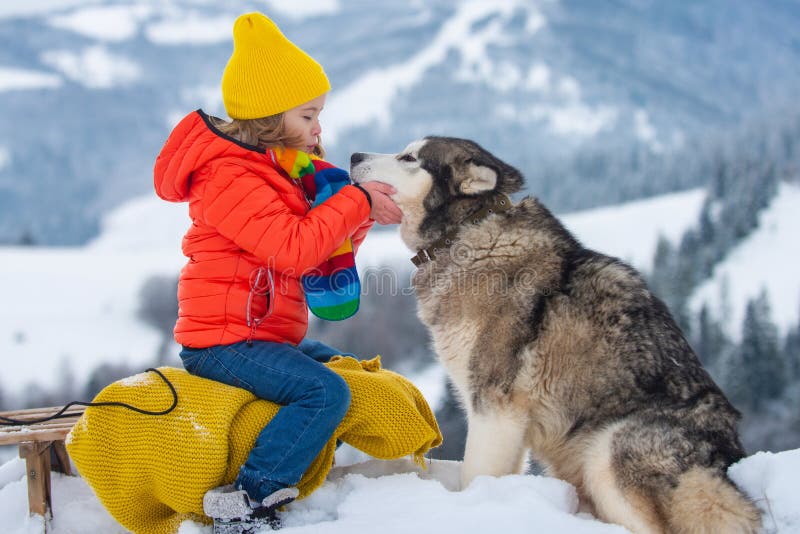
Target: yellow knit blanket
[150, 472]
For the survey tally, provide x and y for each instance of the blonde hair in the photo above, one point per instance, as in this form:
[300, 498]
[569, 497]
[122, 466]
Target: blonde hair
[264, 133]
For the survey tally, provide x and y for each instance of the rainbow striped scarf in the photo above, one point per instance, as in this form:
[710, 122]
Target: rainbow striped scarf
[332, 289]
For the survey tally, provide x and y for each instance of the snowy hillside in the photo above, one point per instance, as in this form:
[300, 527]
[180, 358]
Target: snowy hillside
[630, 231]
[767, 259]
[74, 308]
[614, 82]
[66, 310]
[367, 497]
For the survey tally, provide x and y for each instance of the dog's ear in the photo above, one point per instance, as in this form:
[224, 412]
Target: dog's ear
[479, 178]
[511, 179]
[490, 174]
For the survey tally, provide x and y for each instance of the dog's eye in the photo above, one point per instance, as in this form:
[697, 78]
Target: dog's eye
[407, 157]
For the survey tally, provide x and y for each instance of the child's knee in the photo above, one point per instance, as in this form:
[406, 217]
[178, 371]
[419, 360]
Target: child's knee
[337, 394]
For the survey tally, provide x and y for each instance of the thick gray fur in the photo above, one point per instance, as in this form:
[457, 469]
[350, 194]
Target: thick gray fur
[562, 352]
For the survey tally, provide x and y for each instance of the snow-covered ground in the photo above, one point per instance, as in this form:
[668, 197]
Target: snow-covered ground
[77, 307]
[394, 497]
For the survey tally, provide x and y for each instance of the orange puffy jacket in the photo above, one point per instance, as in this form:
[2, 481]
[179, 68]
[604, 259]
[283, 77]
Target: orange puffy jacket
[252, 236]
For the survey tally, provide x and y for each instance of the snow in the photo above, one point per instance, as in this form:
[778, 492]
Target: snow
[174, 24]
[113, 23]
[574, 118]
[563, 109]
[767, 259]
[206, 97]
[534, 22]
[511, 504]
[5, 157]
[75, 508]
[431, 382]
[143, 224]
[645, 131]
[61, 297]
[305, 9]
[373, 93]
[10, 9]
[136, 380]
[189, 27]
[202, 432]
[52, 321]
[630, 231]
[179, 27]
[94, 67]
[565, 112]
[539, 78]
[11, 471]
[771, 479]
[12, 79]
[397, 497]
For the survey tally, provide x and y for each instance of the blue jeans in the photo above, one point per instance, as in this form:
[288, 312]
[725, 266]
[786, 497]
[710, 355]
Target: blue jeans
[314, 400]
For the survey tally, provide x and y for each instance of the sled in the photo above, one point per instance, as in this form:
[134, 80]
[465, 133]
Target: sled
[42, 447]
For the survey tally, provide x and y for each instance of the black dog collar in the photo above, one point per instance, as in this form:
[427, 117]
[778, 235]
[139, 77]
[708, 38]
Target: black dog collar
[501, 203]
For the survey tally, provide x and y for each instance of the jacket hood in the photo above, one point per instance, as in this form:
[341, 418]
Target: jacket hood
[194, 143]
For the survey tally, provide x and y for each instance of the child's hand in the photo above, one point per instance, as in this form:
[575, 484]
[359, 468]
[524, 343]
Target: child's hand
[384, 210]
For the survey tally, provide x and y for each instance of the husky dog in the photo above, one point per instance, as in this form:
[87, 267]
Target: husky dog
[559, 350]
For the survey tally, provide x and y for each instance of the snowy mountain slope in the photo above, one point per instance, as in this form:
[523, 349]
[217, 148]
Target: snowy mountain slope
[77, 307]
[372, 498]
[374, 93]
[767, 260]
[630, 231]
[92, 87]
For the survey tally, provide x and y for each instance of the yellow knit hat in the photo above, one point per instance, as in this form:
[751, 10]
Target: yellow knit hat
[267, 74]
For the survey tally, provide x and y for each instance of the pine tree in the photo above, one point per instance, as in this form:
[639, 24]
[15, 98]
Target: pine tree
[65, 391]
[791, 353]
[710, 341]
[707, 234]
[719, 177]
[757, 374]
[159, 308]
[662, 278]
[103, 375]
[26, 239]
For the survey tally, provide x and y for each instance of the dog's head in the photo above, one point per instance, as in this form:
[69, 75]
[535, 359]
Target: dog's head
[437, 180]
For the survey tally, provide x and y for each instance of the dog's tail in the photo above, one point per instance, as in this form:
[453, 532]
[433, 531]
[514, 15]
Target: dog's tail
[632, 478]
[704, 501]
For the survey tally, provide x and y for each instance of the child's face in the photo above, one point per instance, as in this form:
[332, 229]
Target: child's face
[302, 123]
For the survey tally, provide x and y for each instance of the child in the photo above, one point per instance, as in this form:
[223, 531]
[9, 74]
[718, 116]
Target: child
[243, 316]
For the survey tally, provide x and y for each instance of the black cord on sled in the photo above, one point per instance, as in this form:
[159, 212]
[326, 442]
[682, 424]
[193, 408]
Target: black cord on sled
[60, 413]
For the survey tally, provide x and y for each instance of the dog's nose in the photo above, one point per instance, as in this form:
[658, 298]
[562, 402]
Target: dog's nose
[356, 158]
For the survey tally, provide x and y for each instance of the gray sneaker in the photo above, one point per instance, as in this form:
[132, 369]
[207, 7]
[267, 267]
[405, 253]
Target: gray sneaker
[234, 513]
